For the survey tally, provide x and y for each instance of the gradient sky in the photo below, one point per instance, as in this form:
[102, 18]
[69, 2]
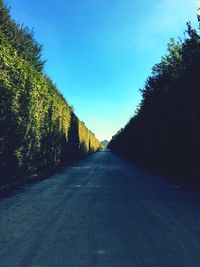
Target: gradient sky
[100, 52]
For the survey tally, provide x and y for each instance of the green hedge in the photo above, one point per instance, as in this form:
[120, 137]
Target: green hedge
[38, 129]
[164, 134]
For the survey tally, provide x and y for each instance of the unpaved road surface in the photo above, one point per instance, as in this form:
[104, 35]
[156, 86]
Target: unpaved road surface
[101, 212]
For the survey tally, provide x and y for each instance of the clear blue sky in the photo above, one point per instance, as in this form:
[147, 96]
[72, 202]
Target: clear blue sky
[100, 52]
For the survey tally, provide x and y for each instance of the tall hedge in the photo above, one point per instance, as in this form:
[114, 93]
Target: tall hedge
[164, 134]
[38, 129]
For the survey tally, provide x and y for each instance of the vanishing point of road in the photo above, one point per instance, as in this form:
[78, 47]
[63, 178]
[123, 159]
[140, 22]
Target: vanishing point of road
[101, 212]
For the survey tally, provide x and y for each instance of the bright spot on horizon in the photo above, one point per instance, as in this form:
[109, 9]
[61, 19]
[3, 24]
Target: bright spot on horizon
[99, 53]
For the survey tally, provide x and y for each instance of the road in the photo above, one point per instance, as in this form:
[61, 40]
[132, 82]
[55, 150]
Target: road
[102, 212]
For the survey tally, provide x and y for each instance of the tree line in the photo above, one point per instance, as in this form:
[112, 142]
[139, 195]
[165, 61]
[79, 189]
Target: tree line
[38, 128]
[164, 133]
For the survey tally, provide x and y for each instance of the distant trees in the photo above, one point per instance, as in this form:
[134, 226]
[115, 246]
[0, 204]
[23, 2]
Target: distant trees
[164, 133]
[38, 129]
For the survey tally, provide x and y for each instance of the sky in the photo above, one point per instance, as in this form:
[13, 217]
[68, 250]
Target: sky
[100, 52]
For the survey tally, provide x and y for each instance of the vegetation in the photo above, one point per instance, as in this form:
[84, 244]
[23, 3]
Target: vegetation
[164, 134]
[38, 129]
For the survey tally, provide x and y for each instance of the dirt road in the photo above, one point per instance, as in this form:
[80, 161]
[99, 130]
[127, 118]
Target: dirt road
[100, 212]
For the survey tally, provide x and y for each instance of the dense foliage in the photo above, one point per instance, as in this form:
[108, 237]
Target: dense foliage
[164, 134]
[21, 38]
[38, 129]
